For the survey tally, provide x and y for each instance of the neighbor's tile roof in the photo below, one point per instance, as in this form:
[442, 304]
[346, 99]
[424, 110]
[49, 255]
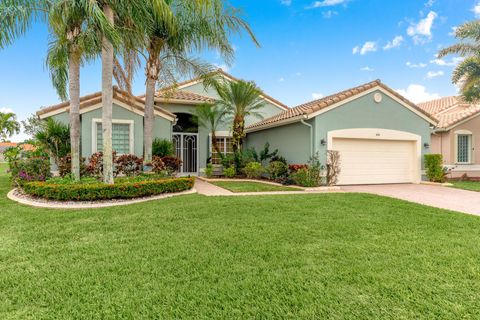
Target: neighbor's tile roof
[316, 105]
[450, 110]
[94, 98]
[182, 95]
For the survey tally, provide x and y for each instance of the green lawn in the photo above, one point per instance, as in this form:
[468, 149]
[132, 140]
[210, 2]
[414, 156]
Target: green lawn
[467, 185]
[336, 256]
[248, 186]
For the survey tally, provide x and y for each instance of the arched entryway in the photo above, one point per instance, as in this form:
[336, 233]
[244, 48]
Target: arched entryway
[185, 139]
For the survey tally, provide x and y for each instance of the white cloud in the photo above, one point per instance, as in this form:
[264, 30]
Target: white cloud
[454, 30]
[317, 96]
[6, 110]
[298, 74]
[286, 2]
[369, 46]
[417, 93]
[367, 68]
[434, 74]
[444, 63]
[326, 3]
[281, 79]
[395, 43]
[328, 14]
[430, 3]
[422, 31]
[476, 10]
[416, 65]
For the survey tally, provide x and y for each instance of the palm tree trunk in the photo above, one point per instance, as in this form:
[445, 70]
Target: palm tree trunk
[152, 70]
[107, 101]
[74, 92]
[237, 133]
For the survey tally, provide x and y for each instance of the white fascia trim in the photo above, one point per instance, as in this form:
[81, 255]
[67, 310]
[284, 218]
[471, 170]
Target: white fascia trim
[222, 134]
[277, 124]
[333, 106]
[94, 133]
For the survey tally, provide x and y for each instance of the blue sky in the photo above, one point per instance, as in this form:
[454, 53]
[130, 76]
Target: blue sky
[308, 49]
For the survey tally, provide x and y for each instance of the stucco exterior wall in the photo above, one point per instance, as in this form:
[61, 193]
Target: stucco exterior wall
[292, 141]
[162, 127]
[363, 112]
[444, 143]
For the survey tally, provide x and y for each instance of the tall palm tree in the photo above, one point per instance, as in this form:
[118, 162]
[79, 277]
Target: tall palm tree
[170, 31]
[239, 99]
[467, 73]
[8, 125]
[210, 117]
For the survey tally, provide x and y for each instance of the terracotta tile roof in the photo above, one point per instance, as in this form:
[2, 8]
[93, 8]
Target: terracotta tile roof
[226, 75]
[305, 109]
[182, 95]
[94, 98]
[25, 146]
[450, 110]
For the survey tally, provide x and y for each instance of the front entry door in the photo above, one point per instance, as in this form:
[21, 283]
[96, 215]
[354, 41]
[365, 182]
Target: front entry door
[186, 146]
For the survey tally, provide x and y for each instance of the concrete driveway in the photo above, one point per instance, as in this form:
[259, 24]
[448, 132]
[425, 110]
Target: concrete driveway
[435, 196]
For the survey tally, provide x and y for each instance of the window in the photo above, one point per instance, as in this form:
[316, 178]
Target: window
[122, 136]
[464, 148]
[225, 147]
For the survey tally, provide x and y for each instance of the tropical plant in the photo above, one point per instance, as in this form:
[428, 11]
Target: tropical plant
[210, 117]
[254, 170]
[467, 73]
[128, 164]
[239, 99]
[54, 137]
[209, 170]
[162, 147]
[8, 125]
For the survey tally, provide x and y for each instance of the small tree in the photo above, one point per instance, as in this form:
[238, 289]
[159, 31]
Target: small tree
[54, 136]
[210, 117]
[8, 125]
[333, 167]
[434, 167]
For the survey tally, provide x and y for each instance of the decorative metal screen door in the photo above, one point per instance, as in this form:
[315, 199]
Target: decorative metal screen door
[186, 146]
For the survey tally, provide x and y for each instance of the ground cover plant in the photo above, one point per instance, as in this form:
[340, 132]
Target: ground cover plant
[248, 186]
[336, 256]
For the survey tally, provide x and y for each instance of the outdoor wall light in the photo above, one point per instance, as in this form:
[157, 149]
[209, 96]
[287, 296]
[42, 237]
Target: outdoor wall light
[426, 145]
[323, 142]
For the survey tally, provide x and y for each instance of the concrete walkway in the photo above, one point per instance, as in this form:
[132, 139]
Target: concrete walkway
[435, 196]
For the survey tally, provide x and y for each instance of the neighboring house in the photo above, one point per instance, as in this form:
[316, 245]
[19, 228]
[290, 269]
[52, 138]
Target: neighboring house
[457, 135]
[5, 145]
[380, 135]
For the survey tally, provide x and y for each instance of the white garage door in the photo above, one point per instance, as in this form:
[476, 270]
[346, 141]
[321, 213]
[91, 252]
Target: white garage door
[365, 161]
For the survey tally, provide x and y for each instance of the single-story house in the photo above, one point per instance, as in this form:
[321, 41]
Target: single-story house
[381, 136]
[457, 135]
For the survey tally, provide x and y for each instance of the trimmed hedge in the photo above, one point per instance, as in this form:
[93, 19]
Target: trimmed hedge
[101, 191]
[434, 167]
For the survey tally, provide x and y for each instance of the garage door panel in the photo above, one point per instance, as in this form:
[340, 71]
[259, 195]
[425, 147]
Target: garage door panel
[375, 161]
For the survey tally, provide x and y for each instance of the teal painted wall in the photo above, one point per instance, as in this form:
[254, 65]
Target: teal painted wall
[365, 113]
[292, 141]
[162, 127]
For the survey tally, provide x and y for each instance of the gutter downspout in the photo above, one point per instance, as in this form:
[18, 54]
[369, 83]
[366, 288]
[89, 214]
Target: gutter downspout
[311, 135]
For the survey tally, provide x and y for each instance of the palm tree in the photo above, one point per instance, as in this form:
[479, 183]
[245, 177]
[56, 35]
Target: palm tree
[8, 125]
[170, 31]
[239, 100]
[467, 73]
[210, 117]
[54, 137]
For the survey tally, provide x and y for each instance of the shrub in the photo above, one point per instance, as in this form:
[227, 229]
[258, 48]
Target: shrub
[65, 166]
[100, 191]
[157, 164]
[333, 167]
[209, 170]
[172, 164]
[129, 164]
[95, 164]
[277, 169]
[254, 170]
[162, 148]
[29, 169]
[308, 175]
[295, 167]
[278, 158]
[434, 168]
[229, 172]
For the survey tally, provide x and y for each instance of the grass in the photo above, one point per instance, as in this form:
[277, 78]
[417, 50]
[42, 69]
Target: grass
[466, 185]
[248, 186]
[335, 256]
